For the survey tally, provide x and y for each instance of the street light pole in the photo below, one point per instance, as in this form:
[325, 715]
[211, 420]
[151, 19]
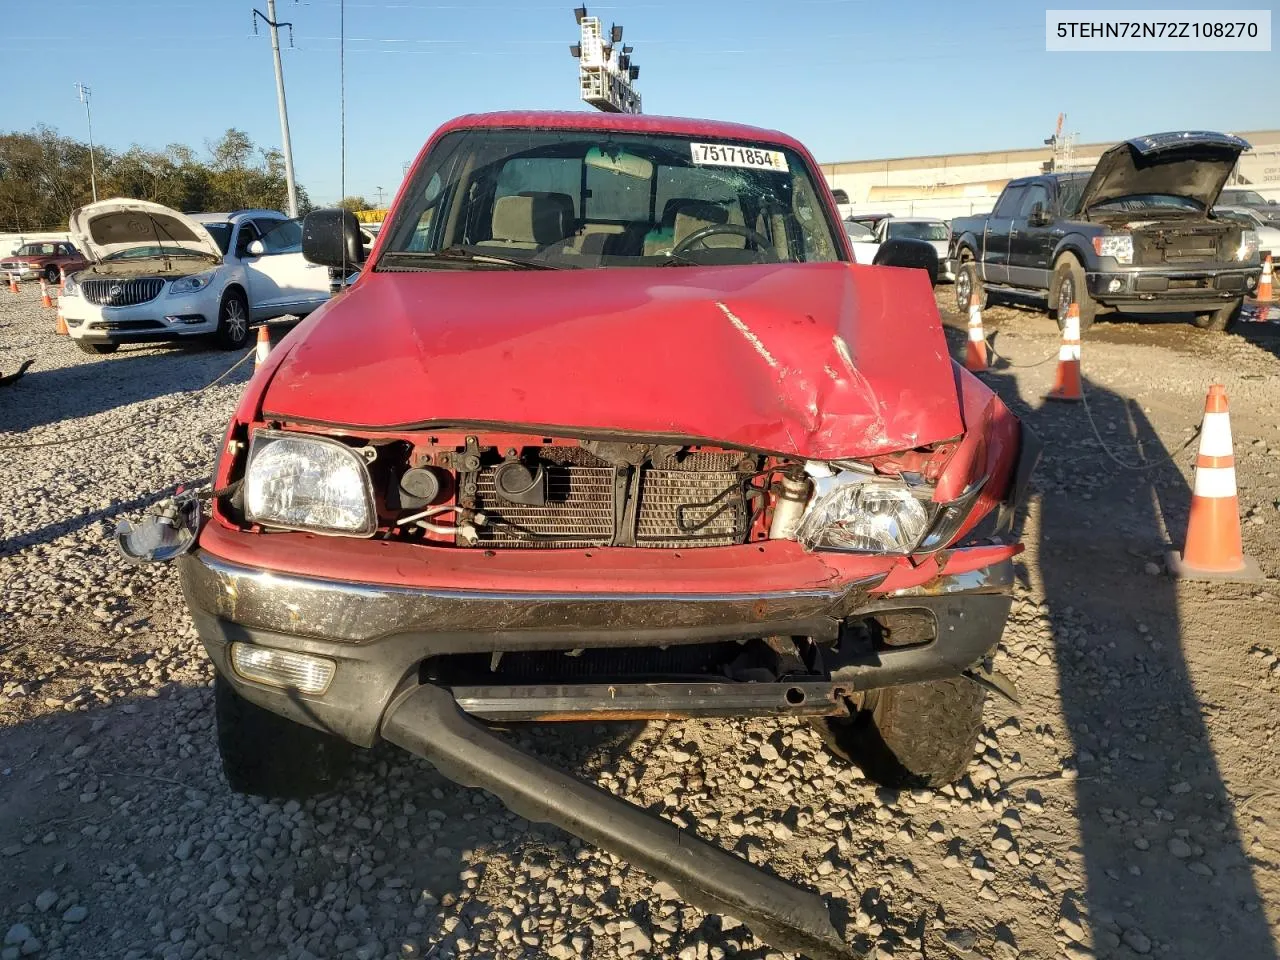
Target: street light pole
[287, 147]
[84, 93]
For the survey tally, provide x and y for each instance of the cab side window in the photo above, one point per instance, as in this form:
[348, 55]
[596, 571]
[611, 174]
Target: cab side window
[281, 236]
[1036, 193]
[246, 235]
[1009, 202]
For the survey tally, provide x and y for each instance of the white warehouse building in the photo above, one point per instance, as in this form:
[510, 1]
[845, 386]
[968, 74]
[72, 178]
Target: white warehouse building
[958, 184]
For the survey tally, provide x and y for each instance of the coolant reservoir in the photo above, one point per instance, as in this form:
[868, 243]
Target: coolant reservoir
[788, 508]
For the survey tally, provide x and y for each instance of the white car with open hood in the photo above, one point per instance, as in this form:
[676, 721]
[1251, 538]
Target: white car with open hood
[158, 274]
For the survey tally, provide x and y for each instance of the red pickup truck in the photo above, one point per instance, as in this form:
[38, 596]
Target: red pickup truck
[609, 426]
[43, 258]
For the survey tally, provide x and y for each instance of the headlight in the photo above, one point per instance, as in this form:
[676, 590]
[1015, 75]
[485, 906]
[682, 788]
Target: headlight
[1118, 245]
[1248, 245]
[852, 511]
[864, 513]
[190, 284]
[71, 288]
[308, 483]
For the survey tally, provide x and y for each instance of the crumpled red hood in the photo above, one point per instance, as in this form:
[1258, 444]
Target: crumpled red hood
[823, 361]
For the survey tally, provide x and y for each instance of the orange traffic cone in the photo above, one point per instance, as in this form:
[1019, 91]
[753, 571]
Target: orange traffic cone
[263, 349]
[1066, 384]
[45, 300]
[62, 281]
[975, 356]
[1264, 282]
[59, 323]
[13, 283]
[1213, 549]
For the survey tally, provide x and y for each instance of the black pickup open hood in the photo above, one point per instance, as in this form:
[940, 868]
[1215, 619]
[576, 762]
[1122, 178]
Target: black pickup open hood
[1193, 164]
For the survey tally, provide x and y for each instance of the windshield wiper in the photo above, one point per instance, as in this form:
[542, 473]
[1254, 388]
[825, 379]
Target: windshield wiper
[463, 255]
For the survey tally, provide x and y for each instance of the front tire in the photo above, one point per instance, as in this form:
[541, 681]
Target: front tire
[96, 348]
[233, 321]
[266, 755]
[1223, 318]
[915, 735]
[52, 276]
[967, 283]
[1069, 285]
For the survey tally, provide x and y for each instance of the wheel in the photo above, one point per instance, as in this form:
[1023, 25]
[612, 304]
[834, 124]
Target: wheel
[917, 735]
[1068, 286]
[233, 321]
[96, 348]
[968, 283]
[268, 756]
[52, 275]
[1221, 319]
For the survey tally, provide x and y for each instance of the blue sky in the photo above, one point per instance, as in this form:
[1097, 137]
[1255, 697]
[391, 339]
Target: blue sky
[853, 79]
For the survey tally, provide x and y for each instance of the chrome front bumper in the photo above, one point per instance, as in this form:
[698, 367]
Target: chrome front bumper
[356, 613]
[378, 636]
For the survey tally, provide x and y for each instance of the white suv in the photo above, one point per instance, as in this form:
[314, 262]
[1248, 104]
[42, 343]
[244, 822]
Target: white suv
[158, 274]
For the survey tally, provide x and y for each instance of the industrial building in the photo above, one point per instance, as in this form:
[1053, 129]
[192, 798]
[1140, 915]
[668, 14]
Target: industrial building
[958, 184]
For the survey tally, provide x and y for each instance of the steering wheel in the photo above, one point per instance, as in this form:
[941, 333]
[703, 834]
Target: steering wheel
[762, 247]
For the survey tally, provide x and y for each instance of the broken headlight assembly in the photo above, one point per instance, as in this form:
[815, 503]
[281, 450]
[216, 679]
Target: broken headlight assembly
[865, 513]
[297, 482]
[1248, 248]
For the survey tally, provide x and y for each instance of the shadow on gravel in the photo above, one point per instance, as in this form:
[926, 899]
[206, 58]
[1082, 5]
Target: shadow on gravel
[49, 395]
[134, 791]
[1165, 867]
[1264, 334]
[397, 855]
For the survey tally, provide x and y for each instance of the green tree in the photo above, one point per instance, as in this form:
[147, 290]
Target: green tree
[45, 176]
[355, 204]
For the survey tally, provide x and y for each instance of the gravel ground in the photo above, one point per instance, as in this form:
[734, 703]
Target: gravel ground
[1127, 809]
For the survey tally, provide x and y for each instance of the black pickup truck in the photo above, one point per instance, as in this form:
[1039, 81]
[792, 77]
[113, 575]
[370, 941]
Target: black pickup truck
[1135, 235]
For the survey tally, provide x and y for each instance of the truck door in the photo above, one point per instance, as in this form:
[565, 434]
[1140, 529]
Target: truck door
[1031, 243]
[995, 254]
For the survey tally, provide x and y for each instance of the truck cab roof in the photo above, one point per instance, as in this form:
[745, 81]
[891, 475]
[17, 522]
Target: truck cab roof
[621, 123]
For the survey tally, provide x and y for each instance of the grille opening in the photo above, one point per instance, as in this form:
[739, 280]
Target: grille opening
[744, 661]
[690, 498]
[121, 293]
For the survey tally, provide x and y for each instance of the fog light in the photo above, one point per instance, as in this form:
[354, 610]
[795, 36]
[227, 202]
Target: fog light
[280, 668]
[1251, 281]
[1114, 286]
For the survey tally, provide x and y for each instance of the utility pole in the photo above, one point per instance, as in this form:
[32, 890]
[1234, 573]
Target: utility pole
[379, 189]
[270, 18]
[83, 92]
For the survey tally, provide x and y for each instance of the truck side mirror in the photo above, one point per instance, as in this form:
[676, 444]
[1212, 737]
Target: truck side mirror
[1039, 215]
[331, 238]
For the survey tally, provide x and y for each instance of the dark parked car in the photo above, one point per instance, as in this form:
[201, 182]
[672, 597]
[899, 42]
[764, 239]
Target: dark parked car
[1137, 234]
[1268, 210]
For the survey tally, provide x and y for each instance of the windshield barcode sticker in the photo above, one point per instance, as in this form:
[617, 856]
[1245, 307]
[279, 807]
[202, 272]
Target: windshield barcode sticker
[729, 155]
